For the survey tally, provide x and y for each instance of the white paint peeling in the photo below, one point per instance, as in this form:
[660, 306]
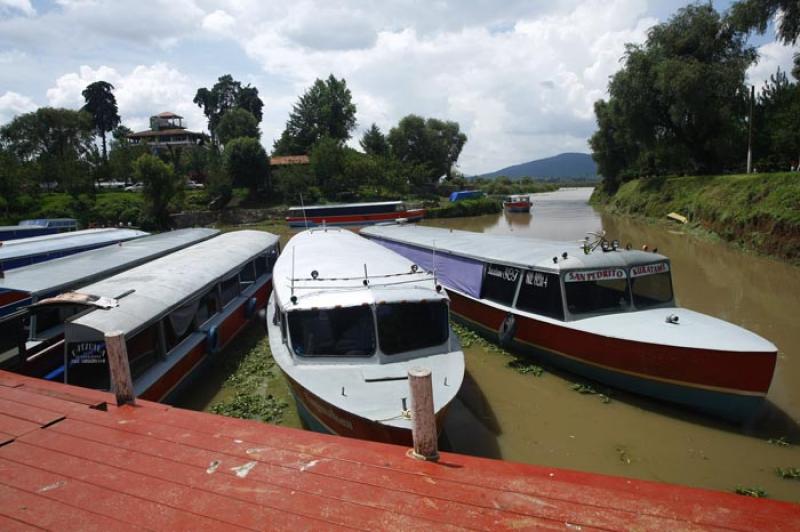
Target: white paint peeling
[256, 450]
[54, 485]
[243, 470]
[213, 466]
[309, 465]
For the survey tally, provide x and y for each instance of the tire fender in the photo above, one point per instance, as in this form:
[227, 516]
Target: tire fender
[505, 335]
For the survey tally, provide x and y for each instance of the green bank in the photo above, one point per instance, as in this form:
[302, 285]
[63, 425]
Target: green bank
[760, 212]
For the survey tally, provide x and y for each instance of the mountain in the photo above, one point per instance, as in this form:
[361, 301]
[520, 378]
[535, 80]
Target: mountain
[561, 166]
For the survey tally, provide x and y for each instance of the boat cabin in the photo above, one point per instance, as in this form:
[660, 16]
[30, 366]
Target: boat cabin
[553, 279]
[331, 306]
[461, 195]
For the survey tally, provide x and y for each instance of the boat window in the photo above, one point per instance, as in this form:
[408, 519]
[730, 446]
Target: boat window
[229, 289]
[12, 339]
[143, 350]
[597, 291]
[651, 285]
[248, 274]
[342, 332]
[540, 293]
[427, 320]
[53, 317]
[500, 283]
[207, 307]
[261, 265]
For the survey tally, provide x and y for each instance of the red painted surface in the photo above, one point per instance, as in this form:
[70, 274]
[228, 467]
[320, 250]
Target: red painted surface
[12, 296]
[734, 371]
[411, 215]
[152, 466]
[517, 205]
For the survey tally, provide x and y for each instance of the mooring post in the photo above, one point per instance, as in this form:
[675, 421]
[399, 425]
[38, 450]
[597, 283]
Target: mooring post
[423, 418]
[121, 381]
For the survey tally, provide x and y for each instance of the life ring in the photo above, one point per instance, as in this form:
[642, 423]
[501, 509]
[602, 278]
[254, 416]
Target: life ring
[505, 335]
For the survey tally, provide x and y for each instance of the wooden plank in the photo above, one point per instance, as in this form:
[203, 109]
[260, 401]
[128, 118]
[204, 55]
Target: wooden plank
[48, 514]
[204, 508]
[6, 438]
[37, 415]
[7, 524]
[16, 427]
[359, 501]
[9, 380]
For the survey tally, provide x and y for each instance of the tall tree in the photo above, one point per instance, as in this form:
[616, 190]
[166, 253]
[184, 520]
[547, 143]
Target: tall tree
[679, 103]
[755, 15]
[247, 164]
[226, 94]
[237, 123]
[374, 142]
[325, 110]
[161, 185]
[433, 143]
[102, 105]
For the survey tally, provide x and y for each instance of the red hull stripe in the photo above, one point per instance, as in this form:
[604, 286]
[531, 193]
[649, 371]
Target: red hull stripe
[747, 374]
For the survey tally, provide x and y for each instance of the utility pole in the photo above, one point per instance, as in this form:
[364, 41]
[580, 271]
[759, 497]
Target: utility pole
[750, 131]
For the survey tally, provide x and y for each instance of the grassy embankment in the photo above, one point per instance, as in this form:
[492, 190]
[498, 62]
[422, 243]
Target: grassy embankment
[759, 212]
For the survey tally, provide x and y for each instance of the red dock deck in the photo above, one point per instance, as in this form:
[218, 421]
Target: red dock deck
[71, 460]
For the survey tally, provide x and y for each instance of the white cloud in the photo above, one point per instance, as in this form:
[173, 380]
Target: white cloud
[772, 56]
[144, 91]
[18, 5]
[218, 22]
[13, 104]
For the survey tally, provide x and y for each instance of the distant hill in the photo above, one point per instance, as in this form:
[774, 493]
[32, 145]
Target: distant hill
[556, 168]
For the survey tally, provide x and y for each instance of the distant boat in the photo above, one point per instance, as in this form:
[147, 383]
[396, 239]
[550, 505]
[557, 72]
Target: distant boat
[461, 195]
[607, 314]
[517, 203]
[346, 321]
[27, 251]
[32, 337]
[175, 312]
[352, 214]
[38, 227]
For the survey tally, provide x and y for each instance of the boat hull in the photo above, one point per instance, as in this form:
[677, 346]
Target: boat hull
[413, 215]
[517, 206]
[321, 416]
[730, 385]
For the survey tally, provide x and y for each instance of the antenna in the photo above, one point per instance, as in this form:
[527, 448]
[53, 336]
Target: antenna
[366, 277]
[305, 219]
[434, 263]
[292, 290]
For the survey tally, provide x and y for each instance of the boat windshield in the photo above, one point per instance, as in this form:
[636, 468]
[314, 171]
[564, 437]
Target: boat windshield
[597, 291]
[651, 285]
[338, 332]
[404, 327]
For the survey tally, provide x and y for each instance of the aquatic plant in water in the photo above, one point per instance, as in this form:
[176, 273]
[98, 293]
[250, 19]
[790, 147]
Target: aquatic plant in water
[789, 472]
[751, 492]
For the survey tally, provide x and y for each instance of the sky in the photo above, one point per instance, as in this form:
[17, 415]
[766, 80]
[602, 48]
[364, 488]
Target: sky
[520, 77]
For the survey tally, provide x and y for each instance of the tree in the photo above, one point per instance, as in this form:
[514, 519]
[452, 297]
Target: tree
[247, 164]
[122, 154]
[325, 110]
[161, 185]
[374, 142]
[237, 123]
[102, 105]
[777, 146]
[226, 94]
[679, 103]
[57, 141]
[433, 143]
[755, 15]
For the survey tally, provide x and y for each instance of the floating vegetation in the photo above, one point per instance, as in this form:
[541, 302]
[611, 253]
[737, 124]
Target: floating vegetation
[790, 472]
[526, 367]
[751, 492]
[623, 455]
[588, 389]
[252, 406]
[780, 442]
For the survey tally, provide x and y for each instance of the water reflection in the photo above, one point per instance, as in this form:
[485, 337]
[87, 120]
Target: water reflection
[541, 420]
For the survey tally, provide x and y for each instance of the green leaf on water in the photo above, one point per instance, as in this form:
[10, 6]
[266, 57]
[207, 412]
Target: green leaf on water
[751, 492]
[789, 472]
[780, 442]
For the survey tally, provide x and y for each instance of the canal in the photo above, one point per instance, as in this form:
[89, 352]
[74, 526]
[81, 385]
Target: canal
[508, 414]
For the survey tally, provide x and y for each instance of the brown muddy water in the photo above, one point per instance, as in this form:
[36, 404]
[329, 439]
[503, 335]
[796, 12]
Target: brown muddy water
[502, 413]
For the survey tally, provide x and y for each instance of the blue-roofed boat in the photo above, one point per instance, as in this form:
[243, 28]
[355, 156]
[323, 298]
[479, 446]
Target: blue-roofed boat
[27, 251]
[461, 195]
[38, 227]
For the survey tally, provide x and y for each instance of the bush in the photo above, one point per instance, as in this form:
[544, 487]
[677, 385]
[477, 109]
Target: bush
[474, 207]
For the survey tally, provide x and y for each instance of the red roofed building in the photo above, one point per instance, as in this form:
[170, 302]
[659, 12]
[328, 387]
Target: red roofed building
[167, 130]
[288, 160]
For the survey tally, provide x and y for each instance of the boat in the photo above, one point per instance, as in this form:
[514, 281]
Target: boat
[175, 312]
[27, 251]
[32, 336]
[599, 311]
[461, 195]
[517, 203]
[44, 226]
[352, 214]
[338, 323]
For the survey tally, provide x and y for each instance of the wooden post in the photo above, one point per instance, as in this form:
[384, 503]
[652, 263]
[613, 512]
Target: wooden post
[121, 381]
[423, 417]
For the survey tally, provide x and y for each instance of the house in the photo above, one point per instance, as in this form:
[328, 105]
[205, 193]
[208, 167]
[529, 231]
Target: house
[167, 131]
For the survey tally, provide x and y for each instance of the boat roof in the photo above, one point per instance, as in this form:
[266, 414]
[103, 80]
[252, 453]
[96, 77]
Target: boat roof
[510, 250]
[340, 205]
[35, 246]
[340, 257]
[45, 221]
[156, 288]
[50, 236]
[81, 268]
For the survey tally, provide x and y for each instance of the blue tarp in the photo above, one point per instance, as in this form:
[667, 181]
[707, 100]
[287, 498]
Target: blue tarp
[465, 194]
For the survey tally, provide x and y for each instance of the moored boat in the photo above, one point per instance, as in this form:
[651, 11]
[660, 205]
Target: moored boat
[352, 214]
[605, 313]
[31, 228]
[347, 320]
[175, 312]
[517, 203]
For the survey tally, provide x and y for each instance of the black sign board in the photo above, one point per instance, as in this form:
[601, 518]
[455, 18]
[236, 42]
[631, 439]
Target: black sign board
[87, 365]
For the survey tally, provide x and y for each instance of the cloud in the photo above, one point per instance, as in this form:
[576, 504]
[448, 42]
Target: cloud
[772, 56]
[17, 5]
[142, 92]
[13, 104]
[218, 22]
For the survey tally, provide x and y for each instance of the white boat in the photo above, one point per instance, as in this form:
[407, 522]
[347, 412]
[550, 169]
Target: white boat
[347, 319]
